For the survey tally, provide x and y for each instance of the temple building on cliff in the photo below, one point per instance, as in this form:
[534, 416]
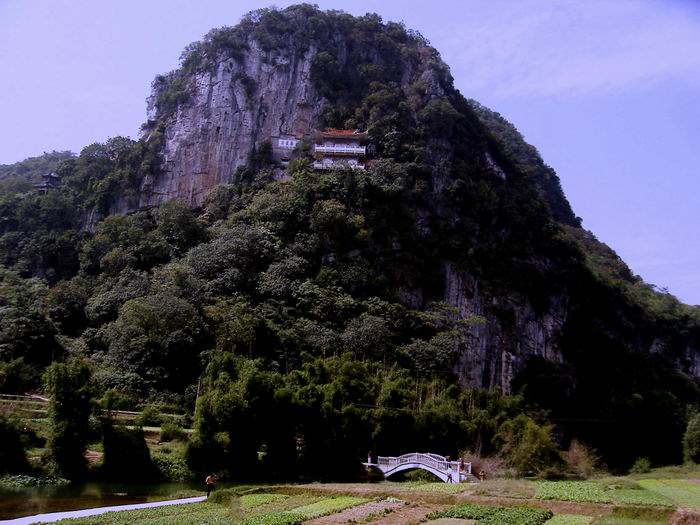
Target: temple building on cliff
[330, 149]
[284, 148]
[49, 181]
[337, 148]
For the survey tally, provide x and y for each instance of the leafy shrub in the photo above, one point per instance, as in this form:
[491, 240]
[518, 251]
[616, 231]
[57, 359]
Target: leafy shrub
[248, 84]
[126, 455]
[580, 459]
[691, 439]
[529, 447]
[25, 480]
[171, 468]
[374, 475]
[150, 417]
[13, 458]
[172, 91]
[115, 399]
[641, 466]
[16, 376]
[172, 432]
[493, 466]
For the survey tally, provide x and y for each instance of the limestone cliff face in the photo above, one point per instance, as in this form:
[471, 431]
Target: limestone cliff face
[231, 111]
[494, 350]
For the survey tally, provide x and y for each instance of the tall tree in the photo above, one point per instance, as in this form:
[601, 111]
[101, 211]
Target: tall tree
[71, 389]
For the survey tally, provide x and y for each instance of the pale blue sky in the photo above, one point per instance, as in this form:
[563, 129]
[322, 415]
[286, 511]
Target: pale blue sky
[607, 90]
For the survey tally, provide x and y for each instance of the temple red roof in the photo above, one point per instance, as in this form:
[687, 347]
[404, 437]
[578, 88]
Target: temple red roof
[335, 132]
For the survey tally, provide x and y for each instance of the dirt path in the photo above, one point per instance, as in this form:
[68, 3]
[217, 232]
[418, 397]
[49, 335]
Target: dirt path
[408, 515]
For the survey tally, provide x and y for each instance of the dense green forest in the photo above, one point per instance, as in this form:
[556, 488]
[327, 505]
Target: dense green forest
[272, 317]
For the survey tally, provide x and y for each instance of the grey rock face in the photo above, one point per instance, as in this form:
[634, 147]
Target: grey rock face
[493, 351]
[233, 110]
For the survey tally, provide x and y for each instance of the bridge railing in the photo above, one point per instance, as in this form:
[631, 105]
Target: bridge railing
[431, 460]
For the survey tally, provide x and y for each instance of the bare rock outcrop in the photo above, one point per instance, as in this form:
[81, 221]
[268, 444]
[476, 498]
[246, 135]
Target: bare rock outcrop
[231, 111]
[495, 349]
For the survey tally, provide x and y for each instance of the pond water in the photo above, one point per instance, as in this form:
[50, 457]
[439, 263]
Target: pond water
[15, 503]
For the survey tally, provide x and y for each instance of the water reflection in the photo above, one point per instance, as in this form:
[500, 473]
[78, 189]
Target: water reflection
[15, 503]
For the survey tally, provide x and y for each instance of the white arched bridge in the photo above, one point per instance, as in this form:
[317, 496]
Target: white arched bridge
[448, 471]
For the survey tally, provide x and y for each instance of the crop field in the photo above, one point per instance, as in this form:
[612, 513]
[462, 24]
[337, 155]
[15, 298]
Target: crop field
[683, 493]
[209, 513]
[250, 509]
[252, 501]
[612, 501]
[570, 519]
[619, 493]
[438, 487]
[509, 488]
[496, 515]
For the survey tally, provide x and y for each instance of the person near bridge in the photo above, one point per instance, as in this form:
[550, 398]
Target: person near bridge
[209, 482]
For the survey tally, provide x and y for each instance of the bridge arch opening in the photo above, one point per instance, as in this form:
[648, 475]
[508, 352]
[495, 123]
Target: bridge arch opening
[415, 474]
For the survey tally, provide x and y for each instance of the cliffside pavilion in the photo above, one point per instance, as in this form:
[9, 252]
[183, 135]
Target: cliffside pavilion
[334, 148]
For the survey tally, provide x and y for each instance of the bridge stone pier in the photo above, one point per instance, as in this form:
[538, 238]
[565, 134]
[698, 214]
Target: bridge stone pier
[447, 471]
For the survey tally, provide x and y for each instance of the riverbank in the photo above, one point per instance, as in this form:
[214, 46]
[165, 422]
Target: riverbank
[17, 502]
[58, 516]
